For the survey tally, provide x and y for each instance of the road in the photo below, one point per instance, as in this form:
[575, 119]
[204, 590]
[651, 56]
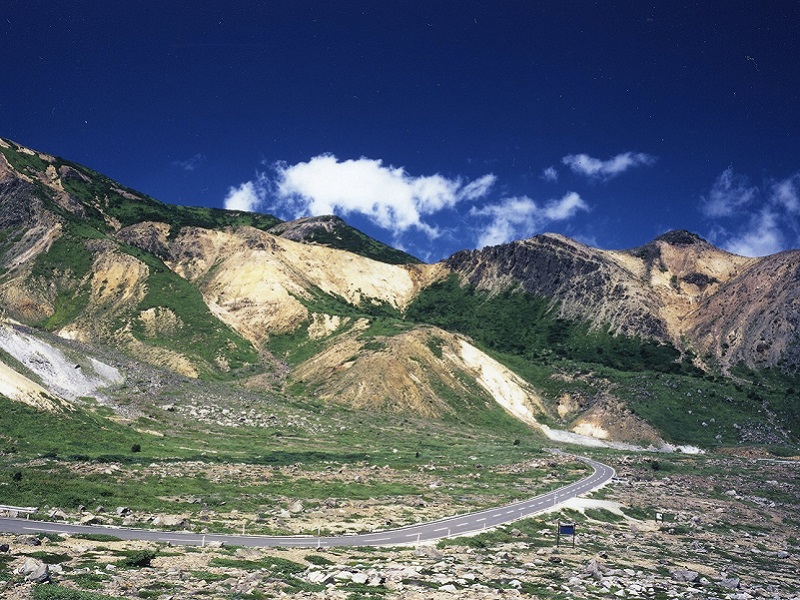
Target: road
[424, 532]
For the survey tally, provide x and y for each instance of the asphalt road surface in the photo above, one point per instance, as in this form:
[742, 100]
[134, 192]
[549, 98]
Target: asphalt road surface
[424, 532]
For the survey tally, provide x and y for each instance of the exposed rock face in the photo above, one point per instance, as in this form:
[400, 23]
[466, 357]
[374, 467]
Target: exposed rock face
[148, 236]
[588, 283]
[676, 289]
[755, 318]
[257, 282]
[301, 229]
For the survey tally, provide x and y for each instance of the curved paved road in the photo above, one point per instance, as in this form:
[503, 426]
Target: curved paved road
[424, 532]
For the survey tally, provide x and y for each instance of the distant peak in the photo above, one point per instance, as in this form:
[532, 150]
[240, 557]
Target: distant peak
[680, 237]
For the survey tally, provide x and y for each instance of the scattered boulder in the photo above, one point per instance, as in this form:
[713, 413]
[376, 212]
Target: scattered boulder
[730, 583]
[91, 520]
[594, 569]
[319, 577]
[685, 575]
[29, 540]
[35, 571]
[429, 551]
[56, 514]
[169, 521]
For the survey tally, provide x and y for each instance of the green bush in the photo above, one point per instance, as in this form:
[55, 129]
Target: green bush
[138, 558]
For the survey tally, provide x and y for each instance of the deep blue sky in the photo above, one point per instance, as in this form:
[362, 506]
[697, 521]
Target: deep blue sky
[429, 125]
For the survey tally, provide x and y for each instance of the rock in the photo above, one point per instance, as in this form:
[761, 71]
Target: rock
[343, 576]
[57, 514]
[249, 553]
[169, 521]
[122, 510]
[554, 559]
[318, 577]
[448, 588]
[35, 571]
[685, 575]
[730, 583]
[296, 507]
[39, 575]
[594, 569]
[429, 551]
[4, 548]
[90, 520]
[29, 540]
[360, 578]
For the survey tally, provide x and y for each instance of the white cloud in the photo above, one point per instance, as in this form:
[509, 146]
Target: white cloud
[245, 197]
[785, 193]
[478, 188]
[386, 195]
[520, 217]
[728, 195]
[583, 164]
[762, 236]
[757, 223]
[550, 174]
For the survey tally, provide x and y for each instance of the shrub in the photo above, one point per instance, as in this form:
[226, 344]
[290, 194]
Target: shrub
[138, 558]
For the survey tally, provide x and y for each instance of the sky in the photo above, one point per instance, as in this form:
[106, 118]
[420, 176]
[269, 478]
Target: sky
[435, 125]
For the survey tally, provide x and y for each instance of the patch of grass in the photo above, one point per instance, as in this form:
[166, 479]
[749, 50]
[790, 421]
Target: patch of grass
[209, 576]
[601, 514]
[317, 559]
[90, 581]
[50, 558]
[50, 591]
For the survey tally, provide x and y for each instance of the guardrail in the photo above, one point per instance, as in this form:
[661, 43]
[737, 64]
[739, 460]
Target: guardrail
[28, 510]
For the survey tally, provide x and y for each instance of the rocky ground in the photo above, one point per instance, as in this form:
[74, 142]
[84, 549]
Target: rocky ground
[730, 530]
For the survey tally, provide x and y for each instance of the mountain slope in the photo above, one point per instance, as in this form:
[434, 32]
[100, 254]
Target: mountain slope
[631, 345]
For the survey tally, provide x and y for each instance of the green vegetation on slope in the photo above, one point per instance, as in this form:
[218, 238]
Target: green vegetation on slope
[561, 357]
[133, 207]
[521, 324]
[198, 333]
[345, 237]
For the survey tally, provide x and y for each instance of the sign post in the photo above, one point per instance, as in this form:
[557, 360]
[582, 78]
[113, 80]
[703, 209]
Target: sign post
[565, 529]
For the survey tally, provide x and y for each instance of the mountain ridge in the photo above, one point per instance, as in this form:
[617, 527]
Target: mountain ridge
[215, 294]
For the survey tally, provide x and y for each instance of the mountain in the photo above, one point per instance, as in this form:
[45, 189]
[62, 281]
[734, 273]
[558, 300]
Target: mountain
[675, 341]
